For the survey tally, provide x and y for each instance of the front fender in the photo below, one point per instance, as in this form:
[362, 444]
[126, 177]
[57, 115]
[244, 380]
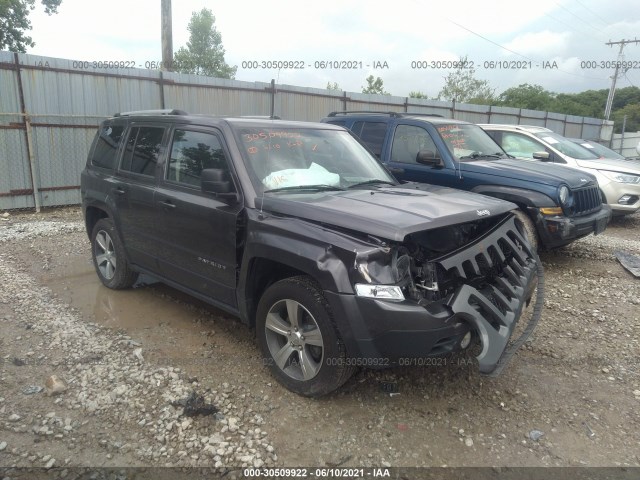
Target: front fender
[327, 255]
[519, 196]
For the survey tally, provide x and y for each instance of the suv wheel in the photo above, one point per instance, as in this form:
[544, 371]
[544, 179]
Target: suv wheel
[529, 228]
[109, 258]
[299, 340]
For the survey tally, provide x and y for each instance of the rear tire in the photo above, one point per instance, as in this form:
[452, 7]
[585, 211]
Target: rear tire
[109, 258]
[299, 340]
[529, 228]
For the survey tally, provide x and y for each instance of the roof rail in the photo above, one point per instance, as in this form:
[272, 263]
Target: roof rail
[264, 117]
[391, 114]
[166, 111]
[369, 112]
[420, 114]
[534, 126]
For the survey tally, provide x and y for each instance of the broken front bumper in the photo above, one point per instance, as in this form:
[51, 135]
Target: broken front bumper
[383, 333]
[557, 230]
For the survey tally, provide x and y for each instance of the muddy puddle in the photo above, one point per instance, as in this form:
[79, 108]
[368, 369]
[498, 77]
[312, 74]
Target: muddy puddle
[177, 325]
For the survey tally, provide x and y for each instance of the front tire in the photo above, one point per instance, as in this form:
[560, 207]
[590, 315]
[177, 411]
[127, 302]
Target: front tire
[109, 258]
[529, 228]
[299, 339]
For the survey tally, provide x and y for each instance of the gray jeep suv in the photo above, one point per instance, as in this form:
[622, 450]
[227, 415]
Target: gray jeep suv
[300, 232]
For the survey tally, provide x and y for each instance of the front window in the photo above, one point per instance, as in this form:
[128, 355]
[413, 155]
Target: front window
[408, 140]
[290, 158]
[469, 142]
[566, 146]
[192, 152]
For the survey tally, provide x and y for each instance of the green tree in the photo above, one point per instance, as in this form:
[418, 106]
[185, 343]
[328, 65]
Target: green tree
[462, 86]
[625, 96]
[592, 101]
[333, 86]
[374, 85]
[532, 97]
[569, 104]
[418, 95]
[632, 111]
[204, 54]
[14, 22]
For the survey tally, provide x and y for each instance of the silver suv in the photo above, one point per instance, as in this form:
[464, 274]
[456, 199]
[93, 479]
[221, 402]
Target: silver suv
[619, 179]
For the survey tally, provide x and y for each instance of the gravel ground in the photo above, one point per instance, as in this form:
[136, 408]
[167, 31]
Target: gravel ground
[151, 377]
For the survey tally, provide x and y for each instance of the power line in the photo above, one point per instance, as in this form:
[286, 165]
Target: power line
[490, 41]
[519, 54]
[587, 35]
[607, 23]
[628, 80]
[614, 78]
[574, 15]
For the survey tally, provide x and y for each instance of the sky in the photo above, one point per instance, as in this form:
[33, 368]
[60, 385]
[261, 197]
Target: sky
[409, 43]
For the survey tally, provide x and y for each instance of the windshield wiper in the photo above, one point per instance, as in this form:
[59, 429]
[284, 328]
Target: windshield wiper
[318, 188]
[475, 155]
[373, 181]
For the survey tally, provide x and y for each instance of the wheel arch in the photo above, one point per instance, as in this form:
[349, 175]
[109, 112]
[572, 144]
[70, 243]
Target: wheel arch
[262, 272]
[92, 215]
[273, 257]
[520, 196]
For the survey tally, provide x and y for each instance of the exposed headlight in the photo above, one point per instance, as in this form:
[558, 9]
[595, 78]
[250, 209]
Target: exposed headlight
[384, 266]
[621, 177]
[564, 194]
[383, 292]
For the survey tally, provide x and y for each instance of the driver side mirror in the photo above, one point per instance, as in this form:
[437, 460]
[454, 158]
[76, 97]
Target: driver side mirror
[429, 157]
[544, 156]
[214, 181]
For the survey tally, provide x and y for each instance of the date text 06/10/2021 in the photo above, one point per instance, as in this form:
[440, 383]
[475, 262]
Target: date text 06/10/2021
[355, 64]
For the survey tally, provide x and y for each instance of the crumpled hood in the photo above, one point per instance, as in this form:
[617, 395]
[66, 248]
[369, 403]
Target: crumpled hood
[612, 165]
[390, 212]
[539, 172]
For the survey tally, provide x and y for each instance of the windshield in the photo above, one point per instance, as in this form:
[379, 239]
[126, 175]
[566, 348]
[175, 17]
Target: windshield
[601, 151]
[290, 159]
[469, 142]
[566, 146]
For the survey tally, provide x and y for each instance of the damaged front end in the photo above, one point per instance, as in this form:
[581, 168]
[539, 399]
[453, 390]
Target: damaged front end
[479, 273]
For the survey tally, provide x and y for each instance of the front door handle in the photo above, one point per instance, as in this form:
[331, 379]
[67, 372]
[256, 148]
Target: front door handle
[396, 170]
[120, 190]
[168, 204]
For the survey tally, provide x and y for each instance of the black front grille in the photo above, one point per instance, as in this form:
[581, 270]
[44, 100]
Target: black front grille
[494, 260]
[496, 275]
[586, 200]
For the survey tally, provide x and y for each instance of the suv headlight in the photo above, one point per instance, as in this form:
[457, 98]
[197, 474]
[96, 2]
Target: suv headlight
[384, 292]
[386, 272]
[621, 177]
[563, 193]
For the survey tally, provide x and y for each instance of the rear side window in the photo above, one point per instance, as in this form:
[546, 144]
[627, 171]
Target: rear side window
[142, 150]
[191, 153]
[109, 137]
[372, 135]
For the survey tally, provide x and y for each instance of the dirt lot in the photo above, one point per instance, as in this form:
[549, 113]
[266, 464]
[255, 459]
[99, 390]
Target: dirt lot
[131, 358]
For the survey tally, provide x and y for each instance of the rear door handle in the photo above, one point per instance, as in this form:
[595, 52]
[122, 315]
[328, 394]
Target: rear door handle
[168, 204]
[120, 190]
[396, 170]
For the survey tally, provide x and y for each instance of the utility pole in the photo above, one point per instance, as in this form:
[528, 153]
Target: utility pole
[614, 78]
[167, 37]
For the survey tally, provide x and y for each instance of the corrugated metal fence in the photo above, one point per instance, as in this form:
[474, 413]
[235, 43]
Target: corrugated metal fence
[50, 108]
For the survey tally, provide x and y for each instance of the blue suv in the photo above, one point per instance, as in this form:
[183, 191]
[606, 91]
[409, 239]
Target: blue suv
[557, 204]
